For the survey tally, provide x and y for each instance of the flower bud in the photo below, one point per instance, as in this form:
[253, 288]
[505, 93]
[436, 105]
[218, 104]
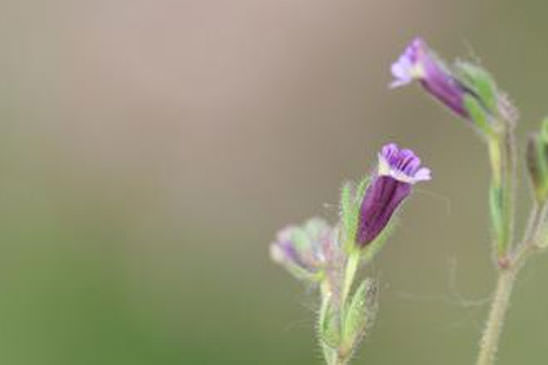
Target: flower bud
[467, 89]
[304, 251]
[397, 171]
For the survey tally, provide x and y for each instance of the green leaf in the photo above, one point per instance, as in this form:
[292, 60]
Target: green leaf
[359, 314]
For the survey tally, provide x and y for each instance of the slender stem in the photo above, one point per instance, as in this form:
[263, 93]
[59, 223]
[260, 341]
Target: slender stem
[531, 238]
[499, 307]
[503, 165]
[509, 184]
[497, 194]
[505, 283]
[351, 268]
[502, 154]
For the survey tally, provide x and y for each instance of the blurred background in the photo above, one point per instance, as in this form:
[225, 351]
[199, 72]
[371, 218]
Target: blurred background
[149, 151]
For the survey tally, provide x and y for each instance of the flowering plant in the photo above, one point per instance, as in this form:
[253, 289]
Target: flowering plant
[329, 256]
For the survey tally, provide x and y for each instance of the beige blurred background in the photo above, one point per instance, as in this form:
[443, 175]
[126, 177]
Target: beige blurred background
[149, 150]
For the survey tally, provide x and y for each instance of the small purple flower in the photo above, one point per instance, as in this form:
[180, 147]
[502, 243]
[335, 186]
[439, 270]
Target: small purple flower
[305, 250]
[418, 62]
[397, 171]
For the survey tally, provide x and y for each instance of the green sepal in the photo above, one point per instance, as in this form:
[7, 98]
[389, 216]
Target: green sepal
[359, 314]
[478, 114]
[347, 207]
[360, 190]
[480, 82]
[350, 203]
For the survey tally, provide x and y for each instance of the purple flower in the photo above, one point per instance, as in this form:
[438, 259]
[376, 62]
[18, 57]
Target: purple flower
[397, 171]
[418, 62]
[305, 250]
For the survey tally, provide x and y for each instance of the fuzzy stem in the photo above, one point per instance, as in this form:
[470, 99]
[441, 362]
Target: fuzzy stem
[350, 271]
[505, 283]
[508, 147]
[499, 307]
[502, 153]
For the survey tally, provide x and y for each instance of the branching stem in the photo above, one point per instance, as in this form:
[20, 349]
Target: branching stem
[505, 284]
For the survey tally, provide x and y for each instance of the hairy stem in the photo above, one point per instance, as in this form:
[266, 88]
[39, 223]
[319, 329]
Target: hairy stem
[499, 307]
[502, 153]
[505, 283]
[508, 147]
[350, 271]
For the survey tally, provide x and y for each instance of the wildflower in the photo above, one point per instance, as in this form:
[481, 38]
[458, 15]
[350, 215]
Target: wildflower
[305, 251]
[397, 171]
[418, 62]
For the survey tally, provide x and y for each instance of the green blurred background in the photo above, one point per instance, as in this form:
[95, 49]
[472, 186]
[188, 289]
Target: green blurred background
[149, 151]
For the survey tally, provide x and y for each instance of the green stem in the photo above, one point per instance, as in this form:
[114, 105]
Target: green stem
[509, 185]
[350, 271]
[531, 237]
[499, 307]
[505, 283]
[503, 166]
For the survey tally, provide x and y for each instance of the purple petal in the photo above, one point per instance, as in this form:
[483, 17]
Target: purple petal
[419, 62]
[402, 165]
[423, 174]
[382, 198]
